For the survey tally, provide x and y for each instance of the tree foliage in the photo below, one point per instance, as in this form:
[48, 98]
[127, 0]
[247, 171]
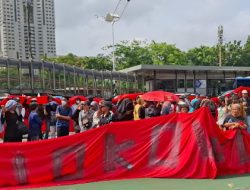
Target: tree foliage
[232, 53]
[246, 53]
[203, 55]
[166, 54]
[132, 53]
[129, 54]
[99, 62]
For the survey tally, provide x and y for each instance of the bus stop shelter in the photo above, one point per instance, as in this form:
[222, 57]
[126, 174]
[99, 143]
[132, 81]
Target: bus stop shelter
[206, 80]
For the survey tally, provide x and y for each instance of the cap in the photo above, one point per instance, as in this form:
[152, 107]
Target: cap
[106, 104]
[10, 104]
[93, 103]
[85, 103]
[244, 92]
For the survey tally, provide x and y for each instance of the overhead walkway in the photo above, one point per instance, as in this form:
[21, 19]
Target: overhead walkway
[32, 77]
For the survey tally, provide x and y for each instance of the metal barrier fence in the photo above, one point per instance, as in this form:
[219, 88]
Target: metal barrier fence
[32, 77]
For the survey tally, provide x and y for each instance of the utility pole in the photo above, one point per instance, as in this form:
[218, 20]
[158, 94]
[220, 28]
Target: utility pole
[220, 42]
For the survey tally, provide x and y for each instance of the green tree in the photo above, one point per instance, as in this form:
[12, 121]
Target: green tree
[166, 54]
[129, 54]
[203, 55]
[232, 53]
[99, 62]
[246, 53]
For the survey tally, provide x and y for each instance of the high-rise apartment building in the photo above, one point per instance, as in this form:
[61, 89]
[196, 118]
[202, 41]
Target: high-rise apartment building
[27, 29]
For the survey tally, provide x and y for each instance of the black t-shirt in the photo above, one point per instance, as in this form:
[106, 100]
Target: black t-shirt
[231, 119]
[106, 119]
[142, 112]
[152, 111]
[12, 133]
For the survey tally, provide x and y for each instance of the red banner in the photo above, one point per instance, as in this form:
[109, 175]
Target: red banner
[173, 146]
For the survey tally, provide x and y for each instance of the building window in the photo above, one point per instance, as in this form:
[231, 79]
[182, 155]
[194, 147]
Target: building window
[181, 83]
[190, 83]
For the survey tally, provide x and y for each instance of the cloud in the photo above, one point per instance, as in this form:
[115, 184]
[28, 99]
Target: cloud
[187, 24]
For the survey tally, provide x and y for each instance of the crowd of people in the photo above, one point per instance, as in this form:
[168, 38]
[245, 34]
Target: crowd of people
[229, 112]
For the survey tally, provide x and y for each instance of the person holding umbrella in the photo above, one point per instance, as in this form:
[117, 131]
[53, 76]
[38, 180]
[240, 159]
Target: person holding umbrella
[152, 110]
[157, 96]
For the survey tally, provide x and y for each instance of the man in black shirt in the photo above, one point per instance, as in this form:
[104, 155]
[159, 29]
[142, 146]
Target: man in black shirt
[235, 120]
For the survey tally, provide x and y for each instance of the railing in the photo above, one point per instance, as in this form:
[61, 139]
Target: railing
[32, 77]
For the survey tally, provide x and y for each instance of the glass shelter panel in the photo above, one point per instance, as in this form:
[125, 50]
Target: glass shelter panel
[3, 78]
[26, 76]
[99, 86]
[14, 78]
[48, 78]
[37, 76]
[107, 88]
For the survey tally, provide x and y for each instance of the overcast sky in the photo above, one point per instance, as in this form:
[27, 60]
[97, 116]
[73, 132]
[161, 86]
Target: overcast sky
[185, 23]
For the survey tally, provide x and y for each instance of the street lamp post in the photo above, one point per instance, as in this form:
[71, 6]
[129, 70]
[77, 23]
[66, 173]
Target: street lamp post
[112, 18]
[113, 44]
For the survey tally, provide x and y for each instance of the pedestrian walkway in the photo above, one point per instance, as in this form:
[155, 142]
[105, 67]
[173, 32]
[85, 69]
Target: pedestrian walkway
[226, 183]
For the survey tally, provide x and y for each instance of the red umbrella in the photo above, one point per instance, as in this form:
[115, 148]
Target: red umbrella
[97, 99]
[73, 99]
[215, 100]
[123, 96]
[29, 99]
[160, 96]
[3, 102]
[21, 98]
[11, 96]
[236, 91]
[239, 90]
[57, 100]
[42, 100]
